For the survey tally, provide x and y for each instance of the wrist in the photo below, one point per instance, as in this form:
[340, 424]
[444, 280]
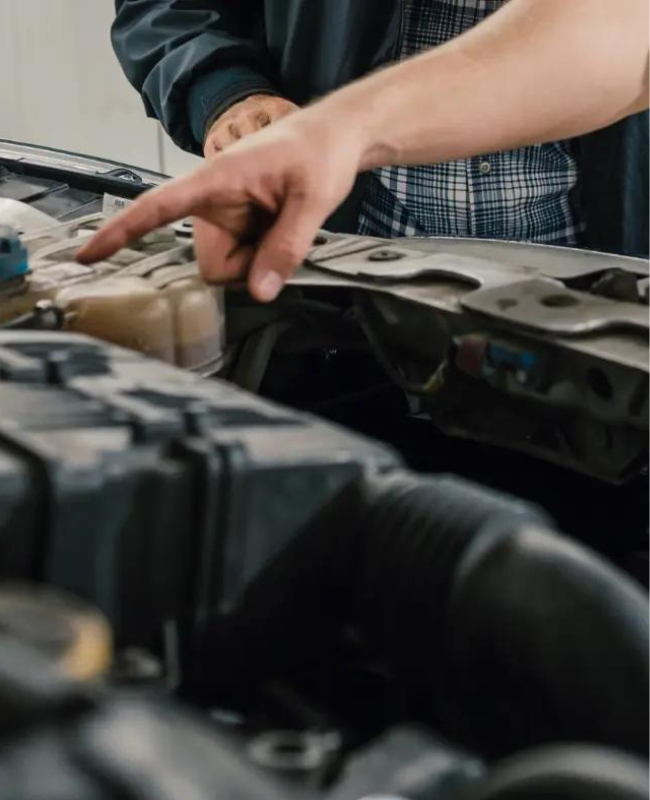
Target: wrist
[217, 91]
[376, 145]
[361, 118]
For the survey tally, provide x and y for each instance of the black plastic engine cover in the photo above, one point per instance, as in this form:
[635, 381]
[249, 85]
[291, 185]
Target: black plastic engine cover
[263, 533]
[148, 491]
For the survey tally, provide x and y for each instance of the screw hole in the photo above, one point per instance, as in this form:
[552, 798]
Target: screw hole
[507, 302]
[386, 255]
[559, 301]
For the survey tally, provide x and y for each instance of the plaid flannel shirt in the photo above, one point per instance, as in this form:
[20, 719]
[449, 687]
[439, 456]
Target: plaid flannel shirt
[527, 194]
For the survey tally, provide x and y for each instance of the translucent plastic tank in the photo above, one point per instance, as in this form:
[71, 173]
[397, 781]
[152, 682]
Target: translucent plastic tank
[148, 297]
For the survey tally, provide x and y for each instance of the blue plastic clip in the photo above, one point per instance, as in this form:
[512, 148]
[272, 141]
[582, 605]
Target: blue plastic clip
[13, 255]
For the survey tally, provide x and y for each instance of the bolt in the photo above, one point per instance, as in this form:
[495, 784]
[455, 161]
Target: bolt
[294, 751]
[386, 255]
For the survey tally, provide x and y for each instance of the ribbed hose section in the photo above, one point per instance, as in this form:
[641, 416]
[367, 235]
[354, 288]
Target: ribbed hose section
[412, 534]
[507, 634]
[512, 635]
[385, 551]
[564, 773]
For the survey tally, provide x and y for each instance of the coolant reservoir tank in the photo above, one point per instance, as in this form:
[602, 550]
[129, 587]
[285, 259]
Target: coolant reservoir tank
[148, 297]
[125, 311]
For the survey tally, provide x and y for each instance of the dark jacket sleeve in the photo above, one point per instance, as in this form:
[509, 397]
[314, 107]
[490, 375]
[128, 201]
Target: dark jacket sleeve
[191, 59]
[615, 175]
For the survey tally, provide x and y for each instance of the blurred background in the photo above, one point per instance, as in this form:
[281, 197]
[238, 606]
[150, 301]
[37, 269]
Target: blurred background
[63, 87]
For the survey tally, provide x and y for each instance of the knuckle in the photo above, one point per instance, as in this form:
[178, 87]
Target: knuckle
[210, 264]
[263, 118]
[214, 135]
[220, 141]
[303, 191]
[219, 126]
[287, 250]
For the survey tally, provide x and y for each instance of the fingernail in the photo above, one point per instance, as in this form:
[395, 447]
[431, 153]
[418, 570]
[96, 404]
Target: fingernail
[268, 286]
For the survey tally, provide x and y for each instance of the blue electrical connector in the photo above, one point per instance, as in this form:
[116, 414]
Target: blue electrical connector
[13, 256]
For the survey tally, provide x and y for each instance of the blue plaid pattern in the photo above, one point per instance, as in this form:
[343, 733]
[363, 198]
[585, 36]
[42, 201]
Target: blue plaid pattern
[526, 195]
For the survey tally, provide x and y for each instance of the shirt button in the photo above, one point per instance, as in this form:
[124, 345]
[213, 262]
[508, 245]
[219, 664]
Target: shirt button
[485, 168]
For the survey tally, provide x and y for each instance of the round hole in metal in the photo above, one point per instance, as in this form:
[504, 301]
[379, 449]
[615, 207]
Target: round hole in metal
[559, 301]
[505, 303]
[386, 255]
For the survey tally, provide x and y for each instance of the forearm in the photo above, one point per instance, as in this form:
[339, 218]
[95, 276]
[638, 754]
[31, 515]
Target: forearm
[535, 71]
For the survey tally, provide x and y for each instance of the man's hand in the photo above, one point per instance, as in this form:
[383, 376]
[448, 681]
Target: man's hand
[256, 206]
[241, 119]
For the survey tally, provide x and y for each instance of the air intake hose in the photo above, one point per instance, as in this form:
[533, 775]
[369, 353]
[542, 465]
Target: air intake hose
[512, 635]
[515, 635]
[564, 773]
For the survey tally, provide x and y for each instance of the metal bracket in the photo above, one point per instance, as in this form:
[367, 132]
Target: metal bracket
[548, 307]
[381, 262]
[529, 297]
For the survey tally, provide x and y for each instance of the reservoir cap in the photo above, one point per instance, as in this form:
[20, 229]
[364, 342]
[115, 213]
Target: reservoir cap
[13, 256]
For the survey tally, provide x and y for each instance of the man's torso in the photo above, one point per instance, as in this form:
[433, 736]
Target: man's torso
[526, 194]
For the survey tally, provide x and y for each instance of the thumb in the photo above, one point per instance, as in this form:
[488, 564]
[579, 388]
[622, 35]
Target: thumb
[284, 247]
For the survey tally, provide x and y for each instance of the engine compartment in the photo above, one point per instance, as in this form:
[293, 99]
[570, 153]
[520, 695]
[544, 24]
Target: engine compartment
[324, 607]
[344, 618]
[533, 411]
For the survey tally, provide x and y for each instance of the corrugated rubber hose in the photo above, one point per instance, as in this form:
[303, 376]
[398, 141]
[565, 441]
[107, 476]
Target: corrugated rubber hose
[511, 634]
[564, 773]
[514, 634]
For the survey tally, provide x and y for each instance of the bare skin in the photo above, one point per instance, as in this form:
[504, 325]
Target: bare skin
[534, 71]
[243, 118]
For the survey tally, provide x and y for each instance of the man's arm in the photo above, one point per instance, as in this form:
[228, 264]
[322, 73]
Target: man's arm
[536, 70]
[191, 61]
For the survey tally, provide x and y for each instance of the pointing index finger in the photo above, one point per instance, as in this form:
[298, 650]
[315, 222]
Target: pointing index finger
[160, 206]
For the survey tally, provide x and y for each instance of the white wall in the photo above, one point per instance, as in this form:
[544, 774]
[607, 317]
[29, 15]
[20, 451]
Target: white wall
[61, 86]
